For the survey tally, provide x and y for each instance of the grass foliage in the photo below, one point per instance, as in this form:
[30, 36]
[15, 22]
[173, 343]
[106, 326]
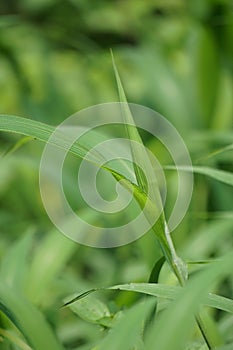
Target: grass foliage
[175, 57]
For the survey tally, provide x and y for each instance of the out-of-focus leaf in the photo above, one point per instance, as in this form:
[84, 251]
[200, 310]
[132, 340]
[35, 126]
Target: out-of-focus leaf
[207, 238]
[206, 70]
[46, 265]
[14, 339]
[14, 265]
[27, 319]
[128, 327]
[220, 175]
[225, 347]
[17, 145]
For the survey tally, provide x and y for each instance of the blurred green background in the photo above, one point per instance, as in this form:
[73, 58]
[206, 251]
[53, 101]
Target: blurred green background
[174, 56]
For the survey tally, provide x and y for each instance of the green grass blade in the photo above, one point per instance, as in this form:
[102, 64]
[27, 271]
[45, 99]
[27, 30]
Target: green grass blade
[219, 175]
[154, 275]
[161, 291]
[154, 289]
[209, 327]
[14, 264]
[206, 239]
[219, 302]
[28, 320]
[80, 296]
[125, 333]
[138, 153]
[42, 132]
[170, 292]
[45, 265]
[146, 176]
[149, 185]
[176, 320]
[37, 130]
[14, 339]
[217, 152]
[17, 145]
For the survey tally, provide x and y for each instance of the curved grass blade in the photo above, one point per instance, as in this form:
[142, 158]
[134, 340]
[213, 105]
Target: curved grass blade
[162, 291]
[154, 275]
[28, 320]
[39, 131]
[219, 302]
[42, 132]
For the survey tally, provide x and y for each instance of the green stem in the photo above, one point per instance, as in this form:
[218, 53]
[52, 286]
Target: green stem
[163, 235]
[177, 264]
[180, 270]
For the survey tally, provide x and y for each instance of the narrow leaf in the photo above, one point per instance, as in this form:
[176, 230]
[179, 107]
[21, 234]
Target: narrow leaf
[146, 175]
[220, 175]
[14, 339]
[17, 145]
[154, 275]
[161, 291]
[28, 320]
[189, 298]
[146, 178]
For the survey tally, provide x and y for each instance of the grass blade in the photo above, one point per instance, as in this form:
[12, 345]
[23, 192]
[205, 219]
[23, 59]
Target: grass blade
[45, 266]
[14, 265]
[129, 327]
[176, 320]
[219, 175]
[139, 153]
[37, 130]
[148, 184]
[162, 291]
[14, 339]
[17, 145]
[28, 320]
